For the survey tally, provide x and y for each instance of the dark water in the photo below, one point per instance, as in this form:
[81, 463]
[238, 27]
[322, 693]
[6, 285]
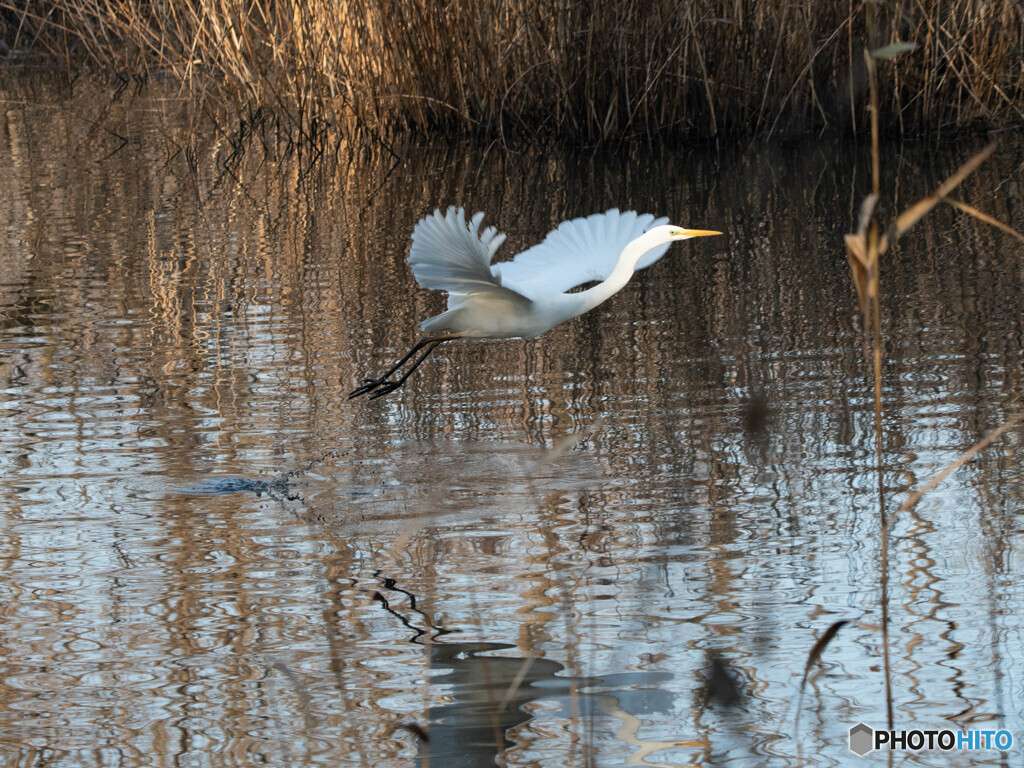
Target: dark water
[613, 545]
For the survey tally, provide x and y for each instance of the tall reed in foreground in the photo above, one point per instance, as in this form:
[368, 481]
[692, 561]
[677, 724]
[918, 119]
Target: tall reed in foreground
[589, 70]
[864, 250]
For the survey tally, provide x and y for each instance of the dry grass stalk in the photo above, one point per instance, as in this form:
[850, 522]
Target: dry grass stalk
[590, 70]
[966, 456]
[863, 251]
[813, 656]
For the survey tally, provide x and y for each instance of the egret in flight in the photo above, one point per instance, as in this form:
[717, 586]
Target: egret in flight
[530, 294]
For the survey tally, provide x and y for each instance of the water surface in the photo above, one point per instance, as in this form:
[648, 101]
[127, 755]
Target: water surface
[546, 552]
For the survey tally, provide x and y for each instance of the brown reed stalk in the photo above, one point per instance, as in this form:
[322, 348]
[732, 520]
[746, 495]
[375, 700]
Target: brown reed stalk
[863, 251]
[589, 70]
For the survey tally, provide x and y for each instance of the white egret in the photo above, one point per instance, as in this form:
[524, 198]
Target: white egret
[530, 294]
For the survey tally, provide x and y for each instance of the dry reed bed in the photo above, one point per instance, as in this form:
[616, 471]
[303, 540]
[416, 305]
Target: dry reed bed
[586, 70]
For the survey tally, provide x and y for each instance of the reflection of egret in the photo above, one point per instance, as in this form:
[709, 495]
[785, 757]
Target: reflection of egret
[526, 296]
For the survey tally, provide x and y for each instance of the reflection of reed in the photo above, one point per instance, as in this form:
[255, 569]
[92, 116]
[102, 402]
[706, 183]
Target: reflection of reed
[283, 249]
[179, 323]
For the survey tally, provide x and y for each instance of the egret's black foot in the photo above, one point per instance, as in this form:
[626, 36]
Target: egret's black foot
[385, 388]
[384, 385]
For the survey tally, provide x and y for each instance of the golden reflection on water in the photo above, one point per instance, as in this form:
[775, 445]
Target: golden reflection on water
[164, 327]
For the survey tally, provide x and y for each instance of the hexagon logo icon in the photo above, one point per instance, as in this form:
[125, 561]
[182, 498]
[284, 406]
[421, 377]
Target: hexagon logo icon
[862, 739]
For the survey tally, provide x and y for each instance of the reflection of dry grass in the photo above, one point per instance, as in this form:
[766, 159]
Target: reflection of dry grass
[590, 70]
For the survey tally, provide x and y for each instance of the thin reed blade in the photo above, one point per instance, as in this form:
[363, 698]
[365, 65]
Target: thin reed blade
[985, 217]
[857, 256]
[914, 213]
[893, 50]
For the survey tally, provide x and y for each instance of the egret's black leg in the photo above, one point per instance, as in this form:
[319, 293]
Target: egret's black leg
[391, 386]
[384, 385]
[370, 384]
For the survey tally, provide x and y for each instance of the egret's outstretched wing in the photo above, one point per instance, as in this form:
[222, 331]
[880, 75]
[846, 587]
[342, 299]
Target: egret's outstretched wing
[579, 251]
[448, 254]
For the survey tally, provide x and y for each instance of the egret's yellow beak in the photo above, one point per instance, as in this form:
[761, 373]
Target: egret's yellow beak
[700, 232]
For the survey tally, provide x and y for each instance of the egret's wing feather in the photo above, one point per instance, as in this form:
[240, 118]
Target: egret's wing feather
[452, 255]
[579, 251]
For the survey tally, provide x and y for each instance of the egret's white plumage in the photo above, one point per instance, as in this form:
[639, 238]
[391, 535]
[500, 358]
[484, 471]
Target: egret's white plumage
[526, 296]
[581, 251]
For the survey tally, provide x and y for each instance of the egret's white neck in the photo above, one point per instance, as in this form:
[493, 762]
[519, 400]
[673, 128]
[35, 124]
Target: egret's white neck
[616, 281]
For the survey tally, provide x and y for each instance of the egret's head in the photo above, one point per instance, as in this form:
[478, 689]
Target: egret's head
[671, 232]
[659, 237]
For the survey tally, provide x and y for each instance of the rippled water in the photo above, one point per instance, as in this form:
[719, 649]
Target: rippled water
[547, 552]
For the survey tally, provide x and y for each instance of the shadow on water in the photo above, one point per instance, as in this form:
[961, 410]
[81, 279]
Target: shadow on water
[491, 696]
[219, 485]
